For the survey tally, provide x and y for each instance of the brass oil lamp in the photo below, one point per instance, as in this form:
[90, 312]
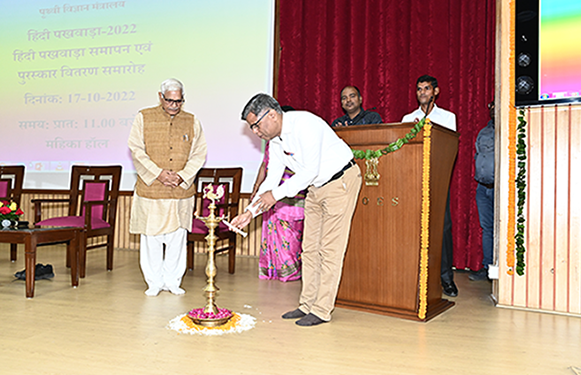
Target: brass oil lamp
[211, 315]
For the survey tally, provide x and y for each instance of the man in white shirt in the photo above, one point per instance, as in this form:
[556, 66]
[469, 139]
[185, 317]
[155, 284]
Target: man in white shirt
[426, 91]
[324, 164]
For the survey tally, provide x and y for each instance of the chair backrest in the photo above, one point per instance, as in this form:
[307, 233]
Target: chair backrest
[95, 191]
[11, 180]
[5, 189]
[93, 183]
[231, 178]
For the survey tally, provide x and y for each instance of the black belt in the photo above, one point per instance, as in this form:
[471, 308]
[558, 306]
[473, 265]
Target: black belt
[490, 186]
[341, 172]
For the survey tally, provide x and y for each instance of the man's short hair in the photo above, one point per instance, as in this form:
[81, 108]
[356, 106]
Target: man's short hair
[355, 87]
[259, 103]
[171, 84]
[426, 78]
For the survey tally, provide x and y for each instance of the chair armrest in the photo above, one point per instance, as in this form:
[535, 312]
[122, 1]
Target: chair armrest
[48, 200]
[37, 204]
[88, 205]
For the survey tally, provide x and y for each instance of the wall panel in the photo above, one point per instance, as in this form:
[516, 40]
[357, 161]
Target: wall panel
[574, 225]
[553, 211]
[248, 246]
[552, 280]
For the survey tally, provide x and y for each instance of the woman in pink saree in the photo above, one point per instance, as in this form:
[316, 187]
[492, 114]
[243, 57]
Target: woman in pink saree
[282, 233]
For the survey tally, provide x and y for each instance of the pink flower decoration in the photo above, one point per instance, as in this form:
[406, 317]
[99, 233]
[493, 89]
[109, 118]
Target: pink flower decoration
[200, 314]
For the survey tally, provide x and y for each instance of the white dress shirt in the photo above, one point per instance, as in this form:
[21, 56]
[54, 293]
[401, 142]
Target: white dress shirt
[309, 147]
[438, 116]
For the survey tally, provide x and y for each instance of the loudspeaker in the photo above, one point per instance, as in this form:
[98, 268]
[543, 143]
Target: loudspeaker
[526, 50]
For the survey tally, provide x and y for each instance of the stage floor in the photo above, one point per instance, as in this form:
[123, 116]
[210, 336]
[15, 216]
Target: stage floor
[108, 326]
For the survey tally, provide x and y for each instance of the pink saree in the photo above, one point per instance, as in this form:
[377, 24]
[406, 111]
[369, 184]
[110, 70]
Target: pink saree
[282, 234]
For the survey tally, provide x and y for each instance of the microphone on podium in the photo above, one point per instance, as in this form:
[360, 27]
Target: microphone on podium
[428, 107]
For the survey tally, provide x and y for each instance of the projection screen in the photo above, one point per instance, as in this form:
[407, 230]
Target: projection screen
[75, 74]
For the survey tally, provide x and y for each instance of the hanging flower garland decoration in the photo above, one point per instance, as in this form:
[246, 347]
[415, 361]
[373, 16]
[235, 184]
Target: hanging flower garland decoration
[520, 181]
[511, 156]
[425, 222]
[393, 146]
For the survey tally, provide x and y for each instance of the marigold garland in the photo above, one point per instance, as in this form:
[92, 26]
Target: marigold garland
[425, 221]
[238, 323]
[511, 151]
[393, 146]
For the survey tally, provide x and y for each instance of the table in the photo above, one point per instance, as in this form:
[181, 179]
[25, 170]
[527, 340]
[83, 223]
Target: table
[31, 237]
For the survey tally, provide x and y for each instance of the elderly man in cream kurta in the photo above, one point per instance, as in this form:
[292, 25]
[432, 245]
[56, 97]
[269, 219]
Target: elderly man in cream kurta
[168, 149]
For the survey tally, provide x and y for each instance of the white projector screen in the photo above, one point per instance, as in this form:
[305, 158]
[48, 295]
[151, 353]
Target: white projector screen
[75, 74]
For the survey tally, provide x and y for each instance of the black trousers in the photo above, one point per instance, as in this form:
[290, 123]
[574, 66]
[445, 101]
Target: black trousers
[446, 272]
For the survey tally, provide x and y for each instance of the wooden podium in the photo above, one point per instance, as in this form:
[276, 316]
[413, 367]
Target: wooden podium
[381, 272]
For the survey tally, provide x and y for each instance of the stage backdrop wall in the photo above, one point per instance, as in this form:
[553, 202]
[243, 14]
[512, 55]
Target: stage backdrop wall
[382, 47]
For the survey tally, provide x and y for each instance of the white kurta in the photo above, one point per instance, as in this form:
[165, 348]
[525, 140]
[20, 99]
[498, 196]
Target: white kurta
[159, 216]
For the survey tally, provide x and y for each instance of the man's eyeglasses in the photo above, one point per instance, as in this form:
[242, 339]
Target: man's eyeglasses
[255, 125]
[173, 101]
[490, 105]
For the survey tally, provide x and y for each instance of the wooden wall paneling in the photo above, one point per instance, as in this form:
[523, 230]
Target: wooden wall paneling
[552, 280]
[26, 206]
[548, 209]
[254, 246]
[549, 181]
[251, 244]
[120, 237]
[534, 208]
[562, 178]
[254, 235]
[125, 240]
[504, 21]
[248, 246]
[244, 243]
[574, 224]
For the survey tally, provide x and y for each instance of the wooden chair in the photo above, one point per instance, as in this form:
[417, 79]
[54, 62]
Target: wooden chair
[231, 178]
[11, 179]
[94, 189]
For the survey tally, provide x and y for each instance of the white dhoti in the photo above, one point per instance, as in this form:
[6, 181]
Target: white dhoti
[164, 269]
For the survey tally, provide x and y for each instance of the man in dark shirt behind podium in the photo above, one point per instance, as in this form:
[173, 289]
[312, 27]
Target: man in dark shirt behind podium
[354, 114]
